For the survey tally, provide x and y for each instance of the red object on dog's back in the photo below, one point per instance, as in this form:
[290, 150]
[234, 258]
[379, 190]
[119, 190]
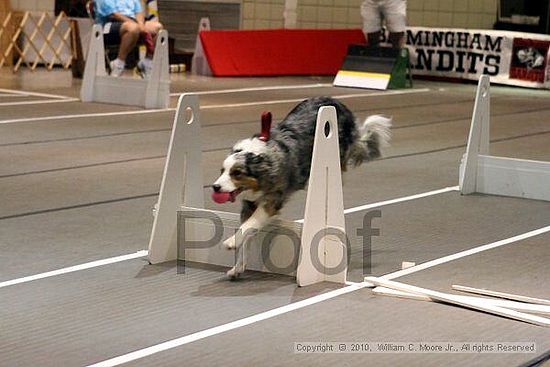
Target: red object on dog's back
[266, 126]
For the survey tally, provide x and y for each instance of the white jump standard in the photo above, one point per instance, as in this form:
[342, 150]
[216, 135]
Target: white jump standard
[483, 173]
[182, 192]
[480, 172]
[97, 86]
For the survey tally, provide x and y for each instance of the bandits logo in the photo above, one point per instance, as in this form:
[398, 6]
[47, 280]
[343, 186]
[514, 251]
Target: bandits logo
[529, 59]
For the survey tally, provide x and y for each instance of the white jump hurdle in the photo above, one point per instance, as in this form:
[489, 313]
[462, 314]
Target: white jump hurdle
[182, 192]
[199, 63]
[483, 173]
[97, 86]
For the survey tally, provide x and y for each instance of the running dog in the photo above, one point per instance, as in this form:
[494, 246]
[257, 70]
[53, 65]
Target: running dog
[265, 170]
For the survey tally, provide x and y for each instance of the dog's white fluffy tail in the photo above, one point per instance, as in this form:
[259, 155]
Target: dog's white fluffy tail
[377, 127]
[374, 135]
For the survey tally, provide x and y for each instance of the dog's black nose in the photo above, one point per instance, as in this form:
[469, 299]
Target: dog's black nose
[216, 188]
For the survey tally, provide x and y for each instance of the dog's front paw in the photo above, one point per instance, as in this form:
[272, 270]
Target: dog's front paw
[235, 271]
[231, 243]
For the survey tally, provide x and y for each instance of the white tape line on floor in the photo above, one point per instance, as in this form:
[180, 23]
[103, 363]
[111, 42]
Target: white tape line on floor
[144, 252]
[35, 94]
[84, 115]
[395, 201]
[72, 269]
[465, 253]
[226, 327]
[205, 107]
[13, 95]
[254, 89]
[350, 287]
[295, 100]
[39, 102]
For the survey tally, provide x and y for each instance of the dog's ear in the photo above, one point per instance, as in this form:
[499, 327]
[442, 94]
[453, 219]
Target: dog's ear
[252, 158]
[257, 164]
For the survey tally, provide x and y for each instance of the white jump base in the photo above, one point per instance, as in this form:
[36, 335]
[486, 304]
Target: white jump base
[182, 194]
[98, 86]
[282, 252]
[482, 173]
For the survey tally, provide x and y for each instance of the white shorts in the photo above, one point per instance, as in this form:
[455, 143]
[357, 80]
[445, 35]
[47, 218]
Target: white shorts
[393, 11]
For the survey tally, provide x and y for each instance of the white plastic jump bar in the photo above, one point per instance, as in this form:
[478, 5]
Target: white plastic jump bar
[480, 304]
[515, 297]
[512, 305]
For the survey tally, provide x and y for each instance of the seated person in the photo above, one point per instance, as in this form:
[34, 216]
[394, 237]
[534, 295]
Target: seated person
[124, 22]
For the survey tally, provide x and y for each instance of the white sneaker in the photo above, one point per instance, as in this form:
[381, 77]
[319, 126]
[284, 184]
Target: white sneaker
[116, 69]
[145, 68]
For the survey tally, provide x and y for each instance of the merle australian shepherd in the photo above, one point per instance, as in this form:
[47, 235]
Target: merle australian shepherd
[265, 172]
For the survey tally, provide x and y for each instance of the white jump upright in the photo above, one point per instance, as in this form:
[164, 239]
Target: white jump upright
[181, 183]
[323, 234]
[199, 63]
[98, 86]
[182, 192]
[483, 173]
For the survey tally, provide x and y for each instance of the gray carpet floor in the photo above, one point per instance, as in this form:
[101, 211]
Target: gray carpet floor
[80, 189]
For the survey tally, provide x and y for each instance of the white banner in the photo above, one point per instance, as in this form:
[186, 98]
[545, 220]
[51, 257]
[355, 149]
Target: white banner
[512, 58]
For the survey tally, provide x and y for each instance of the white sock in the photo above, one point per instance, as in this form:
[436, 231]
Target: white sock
[147, 62]
[119, 63]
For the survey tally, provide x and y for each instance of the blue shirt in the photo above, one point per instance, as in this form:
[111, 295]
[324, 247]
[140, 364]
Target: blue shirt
[104, 8]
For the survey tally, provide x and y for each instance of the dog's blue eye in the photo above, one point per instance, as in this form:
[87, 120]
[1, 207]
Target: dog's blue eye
[236, 172]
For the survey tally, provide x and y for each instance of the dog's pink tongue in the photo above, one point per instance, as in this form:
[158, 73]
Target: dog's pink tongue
[221, 197]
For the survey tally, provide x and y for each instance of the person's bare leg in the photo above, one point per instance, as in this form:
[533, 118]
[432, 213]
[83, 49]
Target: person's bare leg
[397, 40]
[153, 28]
[373, 38]
[129, 35]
